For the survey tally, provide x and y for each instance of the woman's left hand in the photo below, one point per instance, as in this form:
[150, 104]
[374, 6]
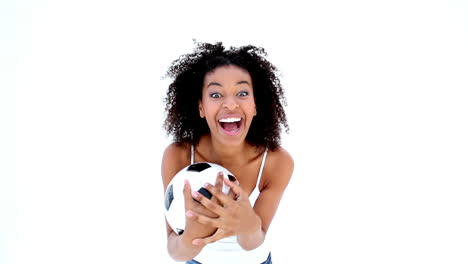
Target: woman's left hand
[235, 216]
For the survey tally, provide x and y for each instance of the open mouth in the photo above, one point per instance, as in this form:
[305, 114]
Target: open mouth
[231, 124]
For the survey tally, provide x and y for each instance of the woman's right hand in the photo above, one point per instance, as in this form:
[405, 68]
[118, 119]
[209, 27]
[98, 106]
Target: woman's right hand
[194, 229]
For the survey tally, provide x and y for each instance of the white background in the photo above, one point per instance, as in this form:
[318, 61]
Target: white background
[377, 105]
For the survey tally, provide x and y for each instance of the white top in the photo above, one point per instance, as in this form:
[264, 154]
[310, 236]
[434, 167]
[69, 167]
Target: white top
[227, 250]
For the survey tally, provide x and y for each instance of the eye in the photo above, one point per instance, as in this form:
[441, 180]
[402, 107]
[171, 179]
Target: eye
[243, 93]
[215, 95]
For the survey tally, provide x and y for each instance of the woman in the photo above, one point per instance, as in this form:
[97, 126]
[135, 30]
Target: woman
[225, 106]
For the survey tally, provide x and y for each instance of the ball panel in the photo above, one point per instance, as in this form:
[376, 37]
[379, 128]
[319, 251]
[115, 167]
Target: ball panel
[231, 178]
[169, 197]
[198, 167]
[205, 193]
[179, 231]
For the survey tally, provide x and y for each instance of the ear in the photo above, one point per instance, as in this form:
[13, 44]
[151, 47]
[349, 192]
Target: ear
[200, 109]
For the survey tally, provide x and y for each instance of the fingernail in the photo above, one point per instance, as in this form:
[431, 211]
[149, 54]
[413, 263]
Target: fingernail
[196, 242]
[205, 185]
[194, 194]
[189, 213]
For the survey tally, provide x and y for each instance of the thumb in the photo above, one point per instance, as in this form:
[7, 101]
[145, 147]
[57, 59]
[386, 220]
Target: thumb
[207, 240]
[187, 193]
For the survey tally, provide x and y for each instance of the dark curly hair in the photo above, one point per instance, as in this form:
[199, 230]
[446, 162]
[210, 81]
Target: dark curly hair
[188, 72]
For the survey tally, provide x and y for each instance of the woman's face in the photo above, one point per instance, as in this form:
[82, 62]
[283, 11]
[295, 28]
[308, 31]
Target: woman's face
[228, 103]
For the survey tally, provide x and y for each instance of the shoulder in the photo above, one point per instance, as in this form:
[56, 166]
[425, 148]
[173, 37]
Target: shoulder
[176, 151]
[280, 157]
[279, 167]
[176, 156]
[279, 160]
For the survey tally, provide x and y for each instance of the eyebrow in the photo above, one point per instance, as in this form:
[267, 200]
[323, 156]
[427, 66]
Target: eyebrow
[218, 84]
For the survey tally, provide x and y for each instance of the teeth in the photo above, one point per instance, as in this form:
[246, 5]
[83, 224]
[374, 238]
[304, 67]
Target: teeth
[230, 120]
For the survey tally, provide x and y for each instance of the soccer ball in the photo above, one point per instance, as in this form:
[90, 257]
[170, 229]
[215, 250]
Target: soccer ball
[197, 174]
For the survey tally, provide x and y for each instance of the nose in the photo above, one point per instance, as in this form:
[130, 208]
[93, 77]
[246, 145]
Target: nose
[230, 103]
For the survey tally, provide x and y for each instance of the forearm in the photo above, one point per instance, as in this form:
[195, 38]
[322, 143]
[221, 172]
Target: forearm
[252, 238]
[181, 249]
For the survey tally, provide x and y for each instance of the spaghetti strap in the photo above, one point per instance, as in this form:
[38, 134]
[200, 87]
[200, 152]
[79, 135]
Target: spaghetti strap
[256, 191]
[192, 154]
[261, 167]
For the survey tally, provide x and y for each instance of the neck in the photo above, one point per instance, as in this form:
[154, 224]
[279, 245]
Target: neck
[227, 155]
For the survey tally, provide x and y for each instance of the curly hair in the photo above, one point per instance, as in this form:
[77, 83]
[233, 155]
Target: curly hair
[188, 72]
